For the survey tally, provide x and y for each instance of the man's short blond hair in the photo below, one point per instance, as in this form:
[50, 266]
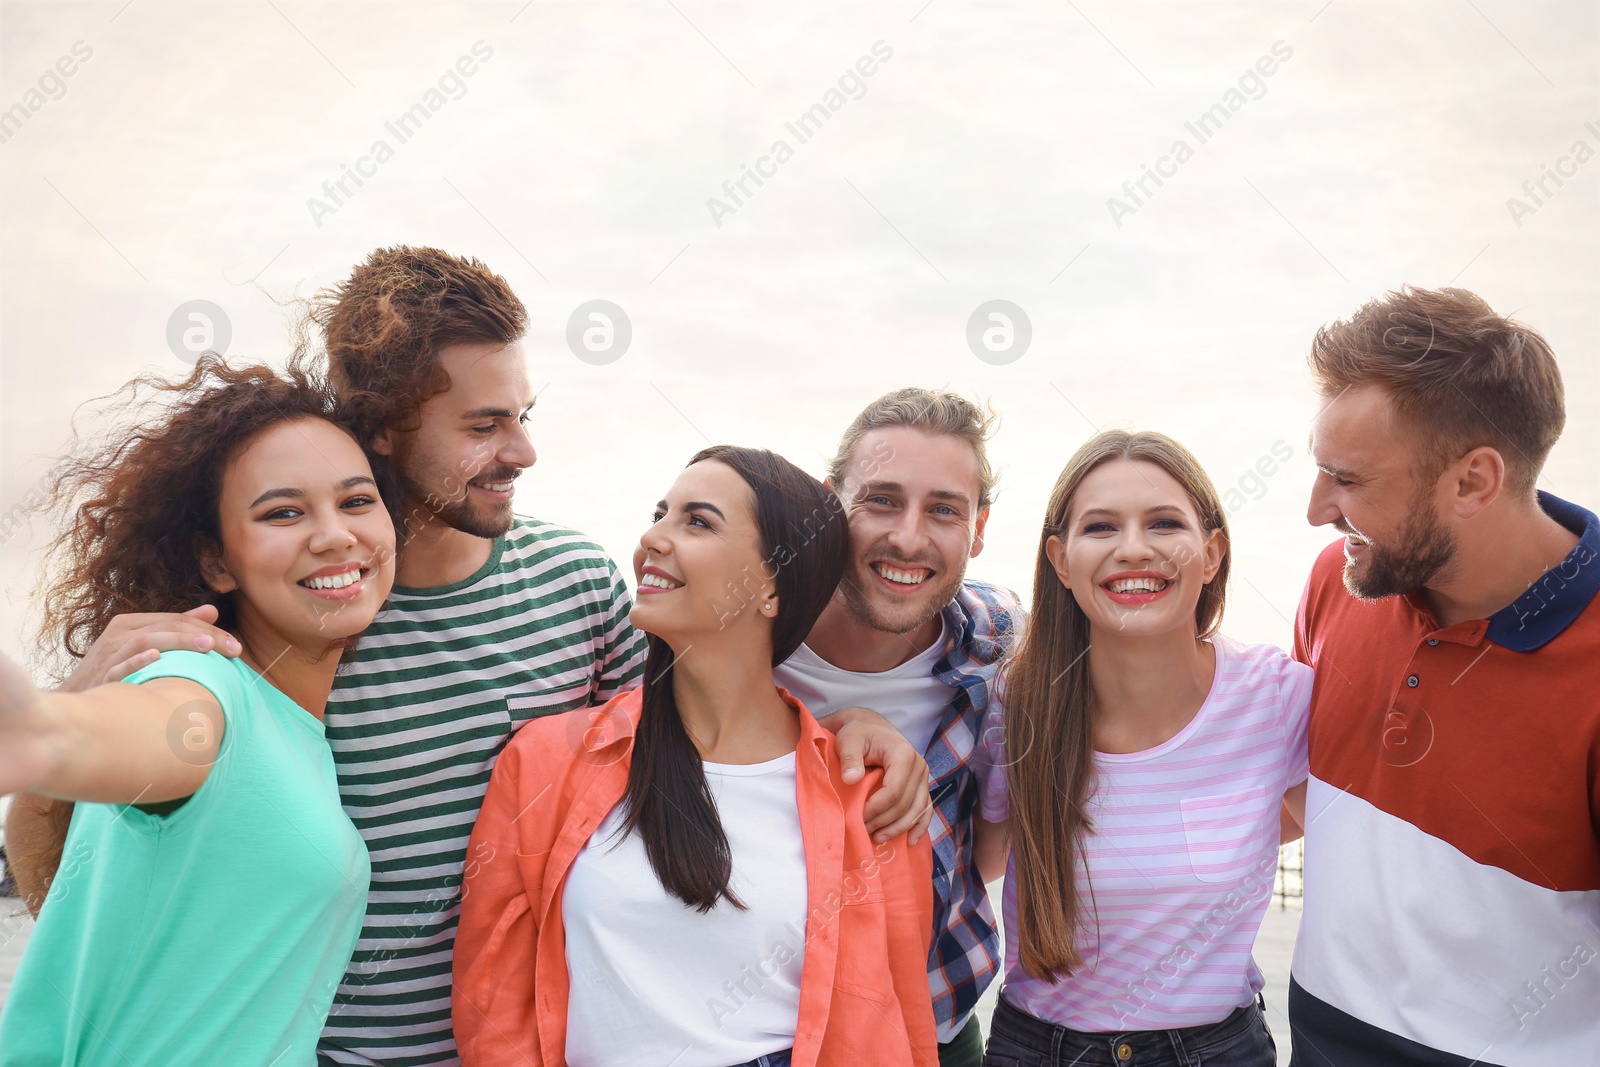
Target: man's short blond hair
[928, 410]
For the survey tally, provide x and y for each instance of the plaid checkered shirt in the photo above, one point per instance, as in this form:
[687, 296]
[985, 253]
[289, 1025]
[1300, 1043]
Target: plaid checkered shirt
[981, 625]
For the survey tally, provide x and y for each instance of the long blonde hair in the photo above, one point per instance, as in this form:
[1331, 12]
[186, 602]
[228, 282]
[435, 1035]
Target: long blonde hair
[1049, 738]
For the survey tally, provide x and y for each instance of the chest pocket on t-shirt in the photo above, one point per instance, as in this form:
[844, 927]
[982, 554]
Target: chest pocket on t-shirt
[567, 691]
[1225, 833]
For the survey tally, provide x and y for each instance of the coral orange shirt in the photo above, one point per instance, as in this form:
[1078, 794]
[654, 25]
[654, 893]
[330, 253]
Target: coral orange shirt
[864, 997]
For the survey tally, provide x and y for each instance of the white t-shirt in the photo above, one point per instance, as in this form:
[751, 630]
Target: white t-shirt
[652, 980]
[910, 696]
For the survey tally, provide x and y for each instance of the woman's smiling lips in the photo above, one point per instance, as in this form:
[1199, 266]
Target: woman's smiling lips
[1132, 588]
[339, 581]
[653, 580]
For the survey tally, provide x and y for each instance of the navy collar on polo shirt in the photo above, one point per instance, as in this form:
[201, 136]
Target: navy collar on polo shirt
[1551, 604]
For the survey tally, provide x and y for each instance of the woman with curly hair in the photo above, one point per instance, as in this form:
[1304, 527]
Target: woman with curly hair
[215, 887]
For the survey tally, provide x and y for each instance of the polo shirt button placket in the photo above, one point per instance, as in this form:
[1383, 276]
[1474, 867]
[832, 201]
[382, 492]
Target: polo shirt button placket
[1405, 734]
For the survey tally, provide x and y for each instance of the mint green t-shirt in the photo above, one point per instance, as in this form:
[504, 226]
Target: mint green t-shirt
[213, 935]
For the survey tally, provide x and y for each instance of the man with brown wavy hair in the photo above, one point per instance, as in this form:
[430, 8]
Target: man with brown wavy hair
[424, 349]
[1452, 881]
[495, 620]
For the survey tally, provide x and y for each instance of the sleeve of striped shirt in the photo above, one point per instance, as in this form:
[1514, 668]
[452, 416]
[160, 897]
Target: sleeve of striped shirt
[994, 803]
[621, 664]
[1294, 685]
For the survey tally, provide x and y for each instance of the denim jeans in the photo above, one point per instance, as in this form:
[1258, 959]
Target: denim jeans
[1017, 1039]
[772, 1059]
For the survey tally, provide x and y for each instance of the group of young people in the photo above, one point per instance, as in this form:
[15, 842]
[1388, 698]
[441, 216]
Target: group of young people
[370, 770]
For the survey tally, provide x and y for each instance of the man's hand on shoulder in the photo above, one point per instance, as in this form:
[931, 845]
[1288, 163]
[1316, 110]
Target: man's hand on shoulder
[902, 803]
[137, 639]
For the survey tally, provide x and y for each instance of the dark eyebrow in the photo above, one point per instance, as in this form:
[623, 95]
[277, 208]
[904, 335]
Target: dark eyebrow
[299, 494]
[693, 506]
[496, 413]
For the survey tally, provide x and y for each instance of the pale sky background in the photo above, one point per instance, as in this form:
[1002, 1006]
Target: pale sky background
[177, 161]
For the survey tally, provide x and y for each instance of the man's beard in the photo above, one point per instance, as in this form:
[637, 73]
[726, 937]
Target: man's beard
[1426, 546]
[859, 604]
[460, 514]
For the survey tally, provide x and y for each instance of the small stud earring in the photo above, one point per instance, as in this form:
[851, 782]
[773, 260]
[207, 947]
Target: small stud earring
[767, 608]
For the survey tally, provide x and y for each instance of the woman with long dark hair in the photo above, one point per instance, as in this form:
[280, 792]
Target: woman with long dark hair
[682, 876]
[213, 886]
[1141, 763]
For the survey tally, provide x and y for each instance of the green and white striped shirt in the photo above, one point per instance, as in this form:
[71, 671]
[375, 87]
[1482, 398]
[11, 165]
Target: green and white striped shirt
[440, 682]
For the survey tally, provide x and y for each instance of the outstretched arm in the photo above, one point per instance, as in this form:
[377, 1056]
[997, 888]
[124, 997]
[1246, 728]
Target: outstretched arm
[36, 826]
[113, 744]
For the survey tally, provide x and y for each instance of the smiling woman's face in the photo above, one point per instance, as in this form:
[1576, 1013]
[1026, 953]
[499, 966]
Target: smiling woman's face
[700, 566]
[307, 545]
[1134, 553]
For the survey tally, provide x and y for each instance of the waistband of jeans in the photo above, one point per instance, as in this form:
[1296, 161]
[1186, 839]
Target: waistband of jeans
[771, 1059]
[1047, 1037]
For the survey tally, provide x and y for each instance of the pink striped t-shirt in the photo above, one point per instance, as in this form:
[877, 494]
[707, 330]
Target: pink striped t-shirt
[1179, 869]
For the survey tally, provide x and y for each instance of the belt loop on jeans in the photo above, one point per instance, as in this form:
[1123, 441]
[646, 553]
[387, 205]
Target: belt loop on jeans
[1179, 1053]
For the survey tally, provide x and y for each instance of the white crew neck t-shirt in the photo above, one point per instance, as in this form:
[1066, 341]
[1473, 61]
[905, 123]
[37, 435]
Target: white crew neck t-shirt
[910, 696]
[652, 980]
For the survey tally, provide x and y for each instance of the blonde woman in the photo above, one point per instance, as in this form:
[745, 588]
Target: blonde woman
[1141, 761]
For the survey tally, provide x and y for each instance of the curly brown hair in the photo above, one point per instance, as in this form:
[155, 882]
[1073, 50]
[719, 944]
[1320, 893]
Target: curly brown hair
[385, 325]
[142, 500]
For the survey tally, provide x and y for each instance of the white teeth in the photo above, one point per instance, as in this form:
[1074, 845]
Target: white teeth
[902, 577]
[497, 487]
[1138, 585]
[333, 581]
[655, 581]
